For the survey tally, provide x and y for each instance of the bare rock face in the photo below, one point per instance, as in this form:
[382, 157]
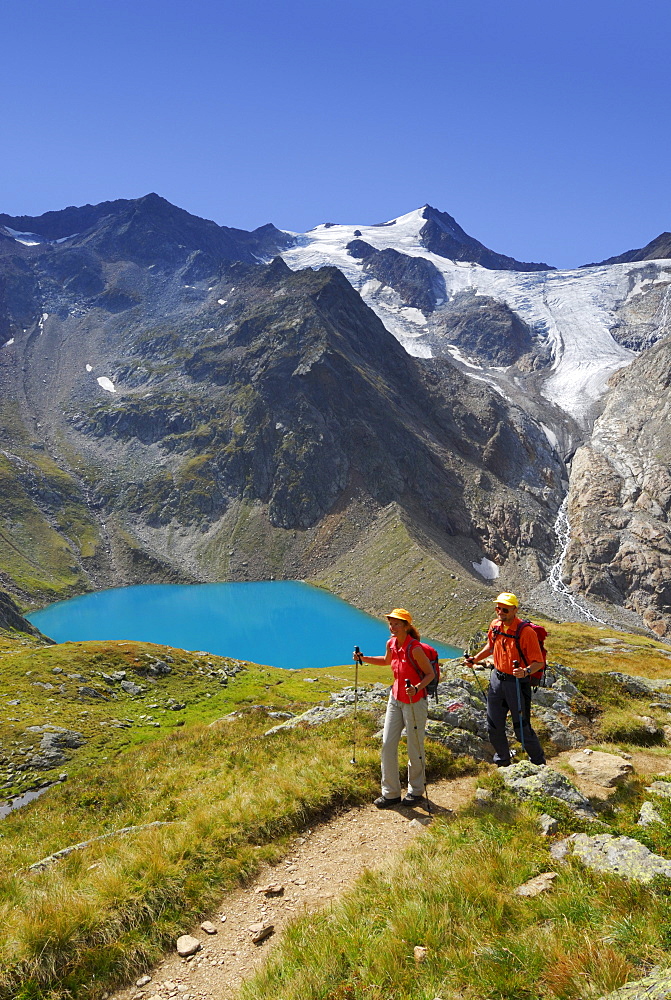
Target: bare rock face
[620, 496]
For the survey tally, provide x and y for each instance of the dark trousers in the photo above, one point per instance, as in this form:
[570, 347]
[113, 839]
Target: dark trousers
[501, 699]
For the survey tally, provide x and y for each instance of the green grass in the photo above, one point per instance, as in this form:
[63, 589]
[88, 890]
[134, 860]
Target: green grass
[452, 893]
[229, 797]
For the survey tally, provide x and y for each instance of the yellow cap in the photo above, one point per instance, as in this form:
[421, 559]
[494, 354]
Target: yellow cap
[402, 614]
[508, 599]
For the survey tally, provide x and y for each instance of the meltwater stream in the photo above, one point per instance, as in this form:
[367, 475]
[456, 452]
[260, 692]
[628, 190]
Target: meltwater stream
[563, 533]
[281, 624]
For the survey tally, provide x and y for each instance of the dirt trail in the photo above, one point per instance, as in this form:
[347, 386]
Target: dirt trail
[322, 864]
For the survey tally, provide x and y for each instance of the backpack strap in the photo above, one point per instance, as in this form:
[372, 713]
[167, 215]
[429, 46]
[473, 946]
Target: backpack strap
[516, 636]
[411, 660]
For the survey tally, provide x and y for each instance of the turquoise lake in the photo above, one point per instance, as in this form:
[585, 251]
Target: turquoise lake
[280, 624]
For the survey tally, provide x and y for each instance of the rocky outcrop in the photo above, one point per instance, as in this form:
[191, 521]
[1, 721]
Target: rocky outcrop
[656, 986]
[620, 496]
[443, 235]
[419, 282]
[530, 781]
[11, 617]
[604, 852]
[656, 249]
[485, 330]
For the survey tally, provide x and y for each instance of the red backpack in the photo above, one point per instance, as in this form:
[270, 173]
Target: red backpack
[541, 634]
[432, 657]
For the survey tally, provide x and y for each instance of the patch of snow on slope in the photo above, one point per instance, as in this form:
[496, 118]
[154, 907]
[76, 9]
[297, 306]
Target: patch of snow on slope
[8, 343]
[106, 383]
[488, 569]
[551, 436]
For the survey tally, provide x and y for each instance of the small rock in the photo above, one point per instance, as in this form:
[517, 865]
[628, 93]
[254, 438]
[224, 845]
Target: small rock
[483, 794]
[534, 887]
[130, 688]
[420, 953]
[187, 945]
[661, 788]
[274, 889]
[223, 918]
[648, 815]
[419, 822]
[208, 927]
[548, 824]
[143, 980]
[260, 931]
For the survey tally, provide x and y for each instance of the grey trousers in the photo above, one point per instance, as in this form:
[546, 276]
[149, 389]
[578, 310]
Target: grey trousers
[400, 714]
[501, 699]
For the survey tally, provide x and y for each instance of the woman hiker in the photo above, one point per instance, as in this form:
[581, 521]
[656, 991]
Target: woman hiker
[407, 706]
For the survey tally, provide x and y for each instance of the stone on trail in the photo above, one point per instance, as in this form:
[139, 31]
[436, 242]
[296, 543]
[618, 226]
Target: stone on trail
[208, 927]
[530, 781]
[619, 855]
[187, 945]
[605, 769]
[143, 980]
[535, 886]
[274, 889]
[648, 815]
[656, 986]
[260, 931]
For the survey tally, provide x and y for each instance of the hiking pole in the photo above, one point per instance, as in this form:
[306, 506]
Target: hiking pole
[358, 658]
[516, 664]
[470, 662]
[419, 749]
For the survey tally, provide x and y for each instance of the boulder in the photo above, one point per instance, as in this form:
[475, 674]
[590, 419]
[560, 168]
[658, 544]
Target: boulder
[605, 769]
[619, 855]
[529, 781]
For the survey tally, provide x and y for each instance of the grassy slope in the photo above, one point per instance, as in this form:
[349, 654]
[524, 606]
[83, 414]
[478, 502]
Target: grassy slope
[230, 796]
[46, 532]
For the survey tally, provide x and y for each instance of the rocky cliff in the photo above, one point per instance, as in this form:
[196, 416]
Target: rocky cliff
[620, 495]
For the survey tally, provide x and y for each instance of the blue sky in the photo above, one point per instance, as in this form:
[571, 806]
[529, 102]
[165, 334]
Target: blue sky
[542, 128]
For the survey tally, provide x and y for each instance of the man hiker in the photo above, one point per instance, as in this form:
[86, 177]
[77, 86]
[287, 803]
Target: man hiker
[407, 707]
[510, 684]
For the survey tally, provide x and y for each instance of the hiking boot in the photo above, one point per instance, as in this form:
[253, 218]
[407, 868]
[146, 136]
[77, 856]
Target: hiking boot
[383, 803]
[412, 800]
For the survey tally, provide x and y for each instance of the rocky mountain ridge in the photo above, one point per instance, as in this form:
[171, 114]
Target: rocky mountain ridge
[174, 408]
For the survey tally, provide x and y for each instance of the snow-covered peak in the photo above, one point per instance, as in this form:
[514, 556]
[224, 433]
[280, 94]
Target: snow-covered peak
[572, 312]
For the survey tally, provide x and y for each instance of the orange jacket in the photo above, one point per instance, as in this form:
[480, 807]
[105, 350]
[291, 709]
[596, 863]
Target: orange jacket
[505, 647]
